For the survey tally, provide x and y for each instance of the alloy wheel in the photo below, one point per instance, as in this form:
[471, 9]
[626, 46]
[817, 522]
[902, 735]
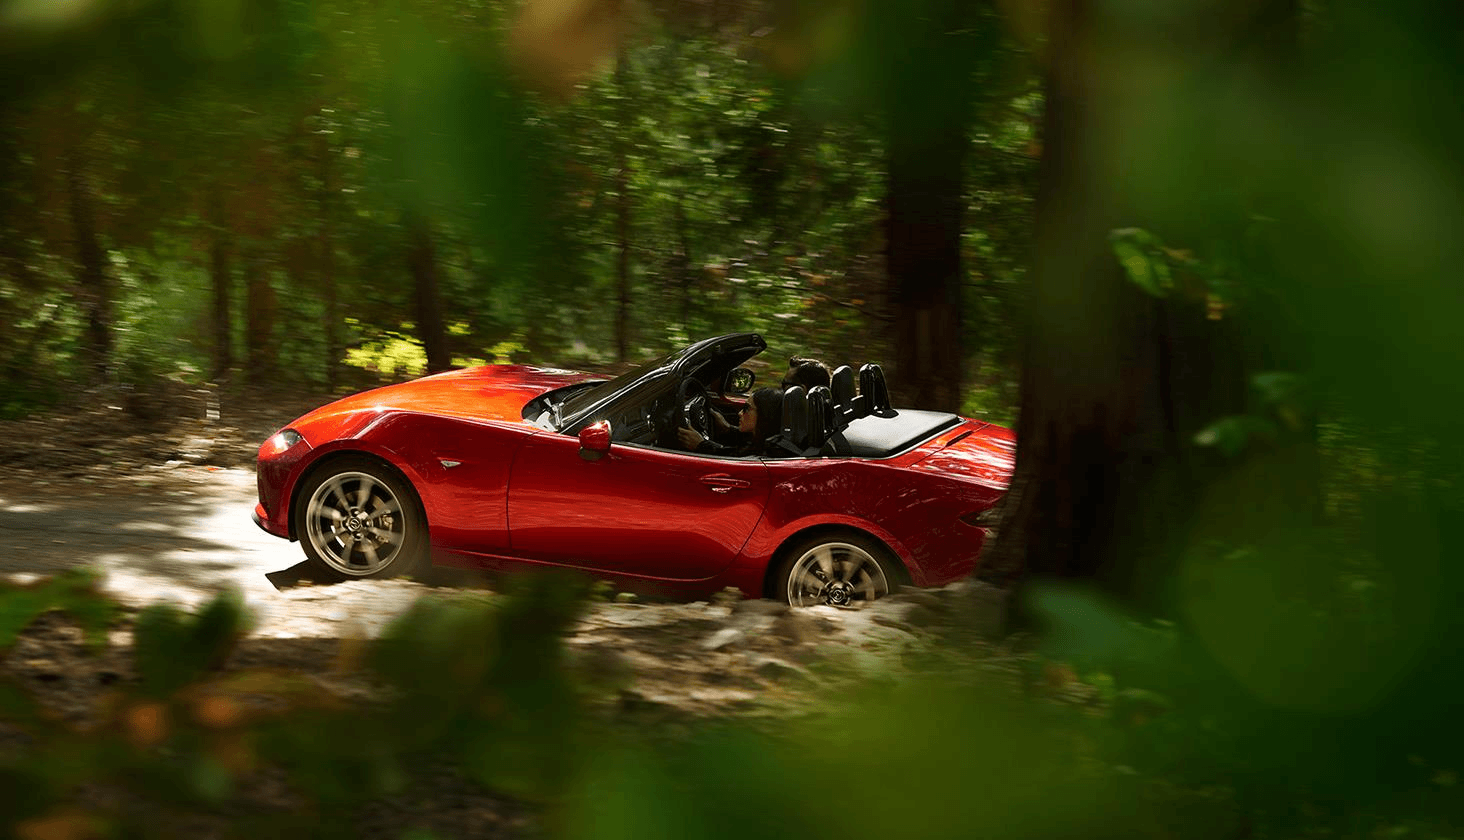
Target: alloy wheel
[838, 574]
[355, 523]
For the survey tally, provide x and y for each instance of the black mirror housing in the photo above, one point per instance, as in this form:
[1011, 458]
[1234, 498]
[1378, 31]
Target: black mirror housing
[738, 381]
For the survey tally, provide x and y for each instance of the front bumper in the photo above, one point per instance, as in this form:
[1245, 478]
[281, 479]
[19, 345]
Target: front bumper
[261, 518]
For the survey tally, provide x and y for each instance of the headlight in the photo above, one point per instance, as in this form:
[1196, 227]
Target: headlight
[284, 440]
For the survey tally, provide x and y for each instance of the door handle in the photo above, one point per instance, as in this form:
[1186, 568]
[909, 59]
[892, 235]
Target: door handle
[723, 483]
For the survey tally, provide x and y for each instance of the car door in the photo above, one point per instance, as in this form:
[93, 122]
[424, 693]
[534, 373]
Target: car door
[637, 510]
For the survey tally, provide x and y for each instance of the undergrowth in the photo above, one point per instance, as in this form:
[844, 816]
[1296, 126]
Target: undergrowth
[484, 685]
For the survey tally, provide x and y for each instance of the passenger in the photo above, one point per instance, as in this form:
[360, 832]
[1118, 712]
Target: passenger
[761, 418]
[807, 372]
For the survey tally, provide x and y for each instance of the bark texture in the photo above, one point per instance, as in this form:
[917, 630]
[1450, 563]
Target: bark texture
[261, 307]
[929, 104]
[221, 279]
[326, 266]
[94, 293]
[422, 261]
[1115, 383]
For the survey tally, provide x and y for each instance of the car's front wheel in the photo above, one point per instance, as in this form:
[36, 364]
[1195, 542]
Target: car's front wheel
[357, 519]
[837, 569]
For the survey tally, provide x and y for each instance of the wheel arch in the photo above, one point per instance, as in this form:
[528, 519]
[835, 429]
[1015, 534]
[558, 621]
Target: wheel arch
[332, 457]
[829, 529]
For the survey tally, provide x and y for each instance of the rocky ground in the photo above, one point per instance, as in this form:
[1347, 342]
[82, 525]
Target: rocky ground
[159, 504]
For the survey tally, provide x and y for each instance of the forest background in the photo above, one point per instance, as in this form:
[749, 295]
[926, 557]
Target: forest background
[1203, 255]
[295, 193]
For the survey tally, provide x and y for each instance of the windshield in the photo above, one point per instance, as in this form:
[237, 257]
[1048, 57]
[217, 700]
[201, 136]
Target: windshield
[578, 403]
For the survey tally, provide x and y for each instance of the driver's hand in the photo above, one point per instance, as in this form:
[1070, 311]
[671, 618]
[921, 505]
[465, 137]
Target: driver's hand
[689, 437]
[720, 421]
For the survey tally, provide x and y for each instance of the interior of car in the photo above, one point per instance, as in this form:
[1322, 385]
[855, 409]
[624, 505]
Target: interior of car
[850, 418]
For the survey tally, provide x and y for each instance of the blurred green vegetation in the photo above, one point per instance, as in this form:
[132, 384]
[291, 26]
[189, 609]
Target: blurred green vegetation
[270, 195]
[1267, 484]
[1110, 727]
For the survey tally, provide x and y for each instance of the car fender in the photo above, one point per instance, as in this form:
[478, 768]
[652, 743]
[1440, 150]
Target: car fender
[459, 468]
[368, 434]
[767, 540]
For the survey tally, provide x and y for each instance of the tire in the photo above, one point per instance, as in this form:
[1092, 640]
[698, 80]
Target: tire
[347, 536]
[838, 568]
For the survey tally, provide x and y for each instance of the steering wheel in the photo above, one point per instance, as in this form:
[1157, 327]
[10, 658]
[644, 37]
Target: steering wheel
[691, 407]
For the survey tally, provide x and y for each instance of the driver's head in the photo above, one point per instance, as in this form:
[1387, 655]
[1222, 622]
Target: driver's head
[806, 372]
[762, 415]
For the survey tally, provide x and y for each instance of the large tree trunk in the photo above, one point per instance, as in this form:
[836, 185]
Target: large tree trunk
[1115, 382]
[221, 279]
[928, 110]
[422, 260]
[95, 296]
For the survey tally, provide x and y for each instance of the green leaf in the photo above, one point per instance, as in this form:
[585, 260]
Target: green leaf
[1143, 258]
[1232, 434]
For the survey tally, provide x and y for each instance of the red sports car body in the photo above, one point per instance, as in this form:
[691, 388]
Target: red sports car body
[507, 465]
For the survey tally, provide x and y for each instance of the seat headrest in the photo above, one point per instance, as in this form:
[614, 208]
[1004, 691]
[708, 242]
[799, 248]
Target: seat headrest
[795, 417]
[873, 389]
[841, 389]
[820, 416]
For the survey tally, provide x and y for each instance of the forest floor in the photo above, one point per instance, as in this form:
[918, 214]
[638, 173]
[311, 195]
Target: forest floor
[161, 508]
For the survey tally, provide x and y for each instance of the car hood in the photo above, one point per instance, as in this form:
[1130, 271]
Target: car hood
[975, 450]
[489, 392]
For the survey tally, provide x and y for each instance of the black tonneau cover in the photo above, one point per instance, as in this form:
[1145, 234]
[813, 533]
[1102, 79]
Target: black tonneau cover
[881, 437]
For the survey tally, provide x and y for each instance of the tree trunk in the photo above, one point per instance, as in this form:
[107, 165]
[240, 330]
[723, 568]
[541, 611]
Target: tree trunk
[622, 215]
[95, 296]
[326, 245]
[928, 109]
[422, 261]
[1115, 383]
[221, 279]
[260, 309]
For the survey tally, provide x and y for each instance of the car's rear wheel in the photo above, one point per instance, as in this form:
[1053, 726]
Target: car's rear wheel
[357, 518]
[840, 569]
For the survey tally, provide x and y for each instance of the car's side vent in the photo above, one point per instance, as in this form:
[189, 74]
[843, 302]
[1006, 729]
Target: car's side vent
[981, 518]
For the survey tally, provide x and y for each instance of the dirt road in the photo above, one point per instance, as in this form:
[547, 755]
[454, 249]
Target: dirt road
[181, 534]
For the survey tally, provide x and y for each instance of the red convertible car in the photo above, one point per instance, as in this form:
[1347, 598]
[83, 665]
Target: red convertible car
[507, 465]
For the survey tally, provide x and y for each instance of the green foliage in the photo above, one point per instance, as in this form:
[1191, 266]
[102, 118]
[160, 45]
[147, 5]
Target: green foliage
[1282, 408]
[73, 592]
[1231, 435]
[975, 761]
[389, 355]
[479, 684]
[482, 684]
[491, 687]
[1144, 260]
[754, 200]
[173, 649]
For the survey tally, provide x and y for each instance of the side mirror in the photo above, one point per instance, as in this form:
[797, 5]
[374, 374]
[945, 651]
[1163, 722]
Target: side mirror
[595, 440]
[739, 381]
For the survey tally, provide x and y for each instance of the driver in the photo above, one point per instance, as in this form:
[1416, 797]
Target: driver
[761, 418]
[804, 371]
